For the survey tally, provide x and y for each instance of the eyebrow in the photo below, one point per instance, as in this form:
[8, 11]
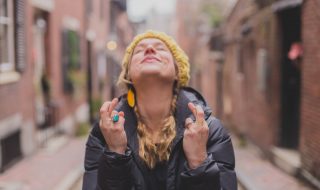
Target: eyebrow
[155, 44]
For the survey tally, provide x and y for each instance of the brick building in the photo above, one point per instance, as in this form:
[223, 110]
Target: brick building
[16, 84]
[108, 32]
[46, 49]
[186, 33]
[97, 21]
[310, 101]
[120, 35]
[197, 34]
[268, 83]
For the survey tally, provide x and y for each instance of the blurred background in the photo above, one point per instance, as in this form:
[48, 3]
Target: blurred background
[255, 61]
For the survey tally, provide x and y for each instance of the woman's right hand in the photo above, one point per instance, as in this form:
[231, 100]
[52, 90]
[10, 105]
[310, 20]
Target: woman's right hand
[113, 132]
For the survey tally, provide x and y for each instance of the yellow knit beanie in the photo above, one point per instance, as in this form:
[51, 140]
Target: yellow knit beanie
[180, 57]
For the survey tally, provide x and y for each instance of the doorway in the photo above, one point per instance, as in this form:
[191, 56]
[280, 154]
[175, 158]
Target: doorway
[290, 22]
[41, 79]
[89, 82]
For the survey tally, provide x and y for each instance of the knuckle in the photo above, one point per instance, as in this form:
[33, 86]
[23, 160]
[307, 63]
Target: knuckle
[112, 130]
[201, 113]
[203, 131]
[191, 134]
[116, 129]
[103, 128]
[106, 103]
[105, 106]
[102, 110]
[206, 129]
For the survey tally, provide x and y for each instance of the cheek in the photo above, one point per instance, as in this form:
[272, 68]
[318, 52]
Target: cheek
[171, 69]
[168, 58]
[174, 69]
[172, 65]
[134, 63]
[131, 70]
[134, 60]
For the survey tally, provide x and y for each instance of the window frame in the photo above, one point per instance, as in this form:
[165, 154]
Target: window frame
[8, 22]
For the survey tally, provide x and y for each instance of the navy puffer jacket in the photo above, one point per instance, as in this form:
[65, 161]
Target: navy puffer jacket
[105, 170]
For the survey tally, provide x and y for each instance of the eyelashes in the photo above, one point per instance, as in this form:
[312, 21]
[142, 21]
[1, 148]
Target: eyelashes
[139, 50]
[161, 49]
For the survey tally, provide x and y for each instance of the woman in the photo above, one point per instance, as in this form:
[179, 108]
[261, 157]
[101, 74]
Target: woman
[161, 134]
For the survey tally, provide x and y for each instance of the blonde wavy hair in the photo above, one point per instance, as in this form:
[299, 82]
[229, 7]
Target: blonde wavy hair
[149, 151]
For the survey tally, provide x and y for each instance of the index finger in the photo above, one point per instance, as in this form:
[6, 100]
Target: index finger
[197, 112]
[193, 109]
[104, 109]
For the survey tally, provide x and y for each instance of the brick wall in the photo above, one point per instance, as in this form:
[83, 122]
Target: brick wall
[18, 96]
[250, 110]
[209, 79]
[256, 113]
[17, 105]
[65, 10]
[310, 112]
[98, 22]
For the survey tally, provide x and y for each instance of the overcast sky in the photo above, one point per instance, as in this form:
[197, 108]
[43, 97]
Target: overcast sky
[138, 9]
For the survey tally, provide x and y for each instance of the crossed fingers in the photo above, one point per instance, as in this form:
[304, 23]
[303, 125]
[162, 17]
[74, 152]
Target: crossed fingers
[107, 112]
[198, 112]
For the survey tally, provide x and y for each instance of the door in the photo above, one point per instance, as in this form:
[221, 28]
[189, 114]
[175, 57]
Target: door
[89, 82]
[290, 20]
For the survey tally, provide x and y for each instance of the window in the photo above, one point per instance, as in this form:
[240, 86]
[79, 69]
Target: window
[102, 9]
[89, 7]
[10, 149]
[6, 36]
[73, 78]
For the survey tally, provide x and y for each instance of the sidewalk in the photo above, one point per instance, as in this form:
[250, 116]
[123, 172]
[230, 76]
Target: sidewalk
[56, 166]
[59, 166]
[256, 173]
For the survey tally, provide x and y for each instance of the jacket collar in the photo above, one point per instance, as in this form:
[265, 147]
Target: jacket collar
[185, 96]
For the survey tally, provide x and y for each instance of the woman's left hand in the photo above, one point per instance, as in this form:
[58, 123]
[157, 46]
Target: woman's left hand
[195, 137]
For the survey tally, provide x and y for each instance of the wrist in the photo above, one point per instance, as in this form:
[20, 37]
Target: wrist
[117, 150]
[197, 161]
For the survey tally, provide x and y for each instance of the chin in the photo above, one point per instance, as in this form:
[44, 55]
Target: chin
[155, 76]
[153, 72]
[151, 69]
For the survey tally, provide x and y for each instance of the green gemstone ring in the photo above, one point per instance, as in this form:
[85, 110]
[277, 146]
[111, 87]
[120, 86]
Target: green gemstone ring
[115, 118]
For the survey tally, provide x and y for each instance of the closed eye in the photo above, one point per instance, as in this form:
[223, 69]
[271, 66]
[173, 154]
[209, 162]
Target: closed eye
[138, 51]
[161, 49]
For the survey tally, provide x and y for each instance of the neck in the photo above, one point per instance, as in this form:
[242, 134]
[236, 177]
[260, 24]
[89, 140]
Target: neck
[154, 104]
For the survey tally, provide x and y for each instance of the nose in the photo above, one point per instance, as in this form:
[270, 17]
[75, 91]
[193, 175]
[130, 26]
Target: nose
[149, 50]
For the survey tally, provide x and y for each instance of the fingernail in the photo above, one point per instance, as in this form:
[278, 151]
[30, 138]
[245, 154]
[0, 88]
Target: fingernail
[121, 113]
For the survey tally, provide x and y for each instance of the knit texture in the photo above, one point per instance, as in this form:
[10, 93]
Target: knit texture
[179, 55]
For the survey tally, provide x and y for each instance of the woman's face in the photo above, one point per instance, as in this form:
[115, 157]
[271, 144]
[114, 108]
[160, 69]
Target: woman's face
[151, 59]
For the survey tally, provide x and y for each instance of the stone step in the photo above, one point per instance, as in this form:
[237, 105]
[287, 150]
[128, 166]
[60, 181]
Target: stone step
[287, 160]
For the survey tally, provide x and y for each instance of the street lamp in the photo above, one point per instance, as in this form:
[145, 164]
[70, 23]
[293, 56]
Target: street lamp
[112, 45]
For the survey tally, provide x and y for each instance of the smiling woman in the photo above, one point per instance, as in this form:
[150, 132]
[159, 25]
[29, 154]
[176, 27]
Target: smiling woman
[152, 59]
[164, 136]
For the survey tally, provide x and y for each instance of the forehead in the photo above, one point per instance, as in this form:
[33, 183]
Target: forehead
[150, 41]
